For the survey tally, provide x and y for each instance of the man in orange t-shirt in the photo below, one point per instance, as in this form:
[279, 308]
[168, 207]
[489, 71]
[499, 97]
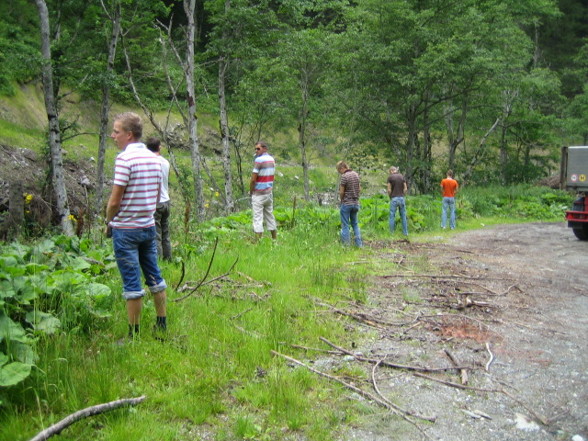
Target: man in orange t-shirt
[450, 187]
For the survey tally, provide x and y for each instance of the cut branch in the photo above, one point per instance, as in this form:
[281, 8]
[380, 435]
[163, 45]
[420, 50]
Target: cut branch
[84, 413]
[393, 365]
[205, 275]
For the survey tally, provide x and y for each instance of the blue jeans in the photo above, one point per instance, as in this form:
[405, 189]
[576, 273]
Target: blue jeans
[349, 215]
[400, 203]
[448, 203]
[135, 251]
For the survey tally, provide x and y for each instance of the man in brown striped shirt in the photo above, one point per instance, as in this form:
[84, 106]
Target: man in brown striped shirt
[349, 189]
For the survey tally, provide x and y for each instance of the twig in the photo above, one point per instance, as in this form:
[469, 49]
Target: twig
[84, 413]
[360, 317]
[224, 275]
[394, 406]
[463, 372]
[236, 316]
[393, 365]
[181, 277]
[441, 277]
[491, 360]
[326, 351]
[205, 275]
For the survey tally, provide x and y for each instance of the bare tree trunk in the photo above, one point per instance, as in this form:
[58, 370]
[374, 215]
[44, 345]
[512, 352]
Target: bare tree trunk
[509, 96]
[411, 145]
[105, 107]
[302, 121]
[189, 9]
[426, 154]
[57, 178]
[455, 135]
[224, 129]
[479, 153]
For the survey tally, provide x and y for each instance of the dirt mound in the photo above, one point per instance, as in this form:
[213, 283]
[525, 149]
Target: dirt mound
[33, 172]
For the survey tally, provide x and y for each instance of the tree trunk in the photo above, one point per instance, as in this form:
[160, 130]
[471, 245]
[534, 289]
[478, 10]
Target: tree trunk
[455, 135]
[105, 107]
[411, 145]
[302, 138]
[57, 177]
[189, 9]
[224, 128]
[426, 154]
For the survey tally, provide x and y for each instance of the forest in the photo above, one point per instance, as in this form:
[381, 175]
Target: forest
[491, 89]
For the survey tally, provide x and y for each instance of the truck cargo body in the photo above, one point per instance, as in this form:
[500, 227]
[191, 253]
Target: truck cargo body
[574, 176]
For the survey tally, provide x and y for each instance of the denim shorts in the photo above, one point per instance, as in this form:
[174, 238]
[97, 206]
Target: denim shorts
[135, 251]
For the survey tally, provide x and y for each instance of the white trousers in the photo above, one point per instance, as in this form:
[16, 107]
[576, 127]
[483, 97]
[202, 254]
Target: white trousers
[263, 209]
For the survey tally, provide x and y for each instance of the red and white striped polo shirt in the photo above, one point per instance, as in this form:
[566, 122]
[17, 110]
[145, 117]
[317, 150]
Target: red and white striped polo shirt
[139, 170]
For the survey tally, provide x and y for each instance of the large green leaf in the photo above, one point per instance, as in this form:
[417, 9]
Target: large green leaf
[6, 289]
[10, 330]
[43, 321]
[3, 358]
[23, 352]
[14, 373]
[79, 264]
[98, 290]
[10, 266]
[33, 268]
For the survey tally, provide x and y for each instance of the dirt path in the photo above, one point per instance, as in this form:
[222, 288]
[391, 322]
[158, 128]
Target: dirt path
[520, 291]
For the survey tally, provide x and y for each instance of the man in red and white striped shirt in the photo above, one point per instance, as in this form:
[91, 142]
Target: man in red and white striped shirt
[129, 218]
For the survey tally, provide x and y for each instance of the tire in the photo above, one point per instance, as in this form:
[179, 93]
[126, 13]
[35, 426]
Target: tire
[581, 233]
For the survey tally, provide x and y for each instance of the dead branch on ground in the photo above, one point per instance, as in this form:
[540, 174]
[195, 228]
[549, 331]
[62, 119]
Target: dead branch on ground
[463, 372]
[360, 316]
[447, 278]
[398, 408]
[355, 389]
[491, 360]
[57, 428]
[538, 417]
[393, 365]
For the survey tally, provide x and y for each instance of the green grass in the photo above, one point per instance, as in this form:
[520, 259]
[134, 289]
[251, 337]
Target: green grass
[17, 136]
[216, 374]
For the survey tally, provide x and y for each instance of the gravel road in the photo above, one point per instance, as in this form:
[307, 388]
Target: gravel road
[510, 298]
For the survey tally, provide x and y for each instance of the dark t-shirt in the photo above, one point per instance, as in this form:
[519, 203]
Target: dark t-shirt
[396, 181]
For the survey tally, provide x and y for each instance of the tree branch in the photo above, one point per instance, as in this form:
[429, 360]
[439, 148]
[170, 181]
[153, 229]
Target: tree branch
[84, 413]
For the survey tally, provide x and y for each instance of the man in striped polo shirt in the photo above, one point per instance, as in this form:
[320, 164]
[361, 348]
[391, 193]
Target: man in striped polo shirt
[129, 218]
[349, 189]
[260, 189]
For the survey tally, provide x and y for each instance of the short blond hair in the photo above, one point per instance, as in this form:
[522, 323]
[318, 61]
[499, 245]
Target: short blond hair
[131, 122]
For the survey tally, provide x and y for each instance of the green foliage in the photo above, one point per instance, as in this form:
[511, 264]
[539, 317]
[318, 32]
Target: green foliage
[45, 288]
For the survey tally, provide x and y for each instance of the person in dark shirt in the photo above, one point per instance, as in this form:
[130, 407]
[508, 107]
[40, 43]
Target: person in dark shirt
[396, 190]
